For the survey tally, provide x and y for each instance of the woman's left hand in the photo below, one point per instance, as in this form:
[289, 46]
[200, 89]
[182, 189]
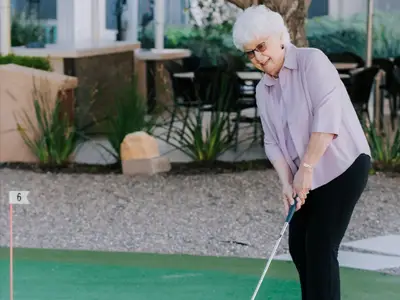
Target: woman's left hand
[302, 183]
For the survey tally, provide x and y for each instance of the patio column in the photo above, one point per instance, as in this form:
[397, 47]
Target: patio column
[133, 20]
[5, 27]
[369, 32]
[159, 18]
[80, 22]
[95, 20]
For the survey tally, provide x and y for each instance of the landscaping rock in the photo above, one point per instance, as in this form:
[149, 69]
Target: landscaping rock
[140, 155]
[139, 145]
[148, 166]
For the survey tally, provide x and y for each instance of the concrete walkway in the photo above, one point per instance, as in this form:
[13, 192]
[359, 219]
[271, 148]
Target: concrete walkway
[372, 254]
[94, 152]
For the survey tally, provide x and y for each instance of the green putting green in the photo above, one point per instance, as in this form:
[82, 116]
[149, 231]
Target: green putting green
[41, 274]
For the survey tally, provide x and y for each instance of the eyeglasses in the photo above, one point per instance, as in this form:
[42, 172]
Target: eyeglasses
[260, 48]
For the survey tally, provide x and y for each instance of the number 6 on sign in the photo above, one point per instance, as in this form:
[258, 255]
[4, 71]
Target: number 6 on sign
[18, 197]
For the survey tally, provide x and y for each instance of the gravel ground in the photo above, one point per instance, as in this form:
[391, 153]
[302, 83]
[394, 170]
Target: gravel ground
[228, 214]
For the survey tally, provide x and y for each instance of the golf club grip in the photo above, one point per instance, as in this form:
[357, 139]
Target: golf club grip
[292, 210]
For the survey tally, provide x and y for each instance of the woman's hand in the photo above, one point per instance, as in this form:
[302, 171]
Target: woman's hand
[302, 183]
[287, 196]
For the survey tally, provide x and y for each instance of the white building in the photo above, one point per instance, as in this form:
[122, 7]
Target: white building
[175, 13]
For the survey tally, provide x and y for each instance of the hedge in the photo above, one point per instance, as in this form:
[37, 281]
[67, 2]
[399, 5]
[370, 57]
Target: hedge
[328, 34]
[26, 61]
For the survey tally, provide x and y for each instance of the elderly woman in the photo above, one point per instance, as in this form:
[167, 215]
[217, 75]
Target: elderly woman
[314, 140]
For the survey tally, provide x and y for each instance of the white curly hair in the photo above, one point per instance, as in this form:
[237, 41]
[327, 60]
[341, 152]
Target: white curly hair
[256, 22]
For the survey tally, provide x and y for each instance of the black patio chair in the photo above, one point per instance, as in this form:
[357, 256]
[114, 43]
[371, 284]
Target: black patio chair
[183, 92]
[219, 90]
[396, 61]
[391, 84]
[361, 88]
[346, 57]
[233, 63]
[191, 63]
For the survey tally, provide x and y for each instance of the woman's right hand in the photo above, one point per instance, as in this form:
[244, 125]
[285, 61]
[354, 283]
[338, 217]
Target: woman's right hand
[288, 197]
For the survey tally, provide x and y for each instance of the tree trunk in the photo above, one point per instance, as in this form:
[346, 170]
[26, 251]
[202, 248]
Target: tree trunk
[294, 12]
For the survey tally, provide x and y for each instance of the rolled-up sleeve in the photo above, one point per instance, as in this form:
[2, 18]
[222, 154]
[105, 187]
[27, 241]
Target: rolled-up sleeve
[325, 90]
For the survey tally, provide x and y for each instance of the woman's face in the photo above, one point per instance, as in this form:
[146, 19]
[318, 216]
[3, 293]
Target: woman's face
[266, 54]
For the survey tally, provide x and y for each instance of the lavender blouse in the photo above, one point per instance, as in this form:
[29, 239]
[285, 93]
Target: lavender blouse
[309, 96]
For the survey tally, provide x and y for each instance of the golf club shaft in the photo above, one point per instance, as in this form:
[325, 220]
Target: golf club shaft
[287, 221]
[270, 260]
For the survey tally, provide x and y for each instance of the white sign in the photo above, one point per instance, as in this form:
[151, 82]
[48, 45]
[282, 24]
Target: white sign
[18, 197]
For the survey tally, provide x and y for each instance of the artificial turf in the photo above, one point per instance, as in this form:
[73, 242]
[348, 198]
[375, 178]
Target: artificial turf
[44, 274]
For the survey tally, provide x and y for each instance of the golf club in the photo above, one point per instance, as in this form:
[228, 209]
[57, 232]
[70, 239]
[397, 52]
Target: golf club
[287, 221]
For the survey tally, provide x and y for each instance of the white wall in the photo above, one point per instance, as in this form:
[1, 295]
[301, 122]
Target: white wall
[346, 8]
[5, 27]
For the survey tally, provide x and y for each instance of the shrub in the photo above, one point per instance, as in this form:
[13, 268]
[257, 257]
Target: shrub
[339, 41]
[214, 43]
[204, 141]
[206, 147]
[385, 147]
[339, 35]
[51, 135]
[26, 29]
[130, 115]
[26, 61]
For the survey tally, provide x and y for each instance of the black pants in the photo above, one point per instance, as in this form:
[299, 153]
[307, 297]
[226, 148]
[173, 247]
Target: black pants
[317, 229]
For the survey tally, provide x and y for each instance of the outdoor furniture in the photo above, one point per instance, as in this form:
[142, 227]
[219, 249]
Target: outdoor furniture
[345, 66]
[153, 76]
[245, 75]
[183, 93]
[361, 88]
[396, 61]
[191, 63]
[346, 61]
[233, 63]
[245, 78]
[391, 84]
[338, 65]
[219, 91]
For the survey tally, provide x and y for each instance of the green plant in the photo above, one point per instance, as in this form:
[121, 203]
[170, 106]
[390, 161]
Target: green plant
[385, 146]
[202, 140]
[130, 115]
[51, 135]
[26, 29]
[350, 34]
[26, 61]
[213, 44]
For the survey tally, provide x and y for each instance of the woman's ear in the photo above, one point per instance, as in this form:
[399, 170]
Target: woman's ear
[281, 40]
